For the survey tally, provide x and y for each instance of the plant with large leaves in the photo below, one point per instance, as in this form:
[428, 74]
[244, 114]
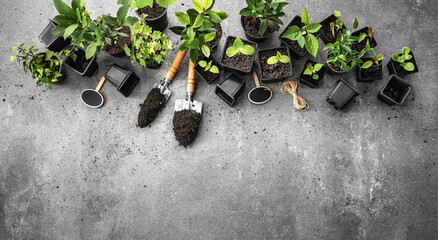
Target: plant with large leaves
[304, 35]
[136, 4]
[267, 11]
[199, 27]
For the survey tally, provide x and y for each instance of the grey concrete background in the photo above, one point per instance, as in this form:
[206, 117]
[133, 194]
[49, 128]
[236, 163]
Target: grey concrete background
[254, 172]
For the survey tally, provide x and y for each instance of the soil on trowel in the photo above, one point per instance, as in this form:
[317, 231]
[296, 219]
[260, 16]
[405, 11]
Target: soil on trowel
[116, 48]
[153, 12]
[239, 61]
[276, 70]
[252, 27]
[185, 126]
[153, 104]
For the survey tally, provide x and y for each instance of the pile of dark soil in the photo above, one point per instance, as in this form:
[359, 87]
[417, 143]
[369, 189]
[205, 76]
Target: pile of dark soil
[153, 104]
[252, 27]
[153, 12]
[116, 48]
[273, 71]
[185, 126]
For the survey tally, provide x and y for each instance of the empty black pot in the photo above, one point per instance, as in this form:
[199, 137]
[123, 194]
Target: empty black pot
[395, 91]
[52, 42]
[341, 94]
[230, 89]
[160, 23]
[396, 69]
[82, 66]
[124, 80]
[308, 80]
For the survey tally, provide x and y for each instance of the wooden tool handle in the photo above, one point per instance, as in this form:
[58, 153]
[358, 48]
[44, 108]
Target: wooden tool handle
[175, 65]
[99, 86]
[191, 78]
[256, 79]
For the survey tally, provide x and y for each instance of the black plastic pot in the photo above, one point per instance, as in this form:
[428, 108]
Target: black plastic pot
[197, 67]
[324, 37]
[124, 80]
[271, 80]
[230, 89]
[160, 23]
[373, 42]
[250, 37]
[52, 42]
[361, 78]
[90, 66]
[310, 81]
[293, 51]
[236, 70]
[220, 31]
[392, 67]
[395, 91]
[333, 71]
[341, 94]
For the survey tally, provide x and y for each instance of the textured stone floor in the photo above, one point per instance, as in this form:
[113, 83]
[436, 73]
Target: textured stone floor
[254, 172]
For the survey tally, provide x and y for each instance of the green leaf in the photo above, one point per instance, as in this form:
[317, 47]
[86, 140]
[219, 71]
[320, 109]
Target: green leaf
[98, 32]
[214, 17]
[198, 5]
[90, 51]
[405, 51]
[356, 23]
[214, 69]
[409, 66]
[203, 63]
[209, 37]
[337, 14]
[143, 3]
[301, 41]
[177, 30]
[366, 65]
[315, 76]
[110, 20]
[222, 15]
[64, 20]
[69, 30]
[165, 3]
[293, 33]
[130, 21]
[307, 71]
[313, 27]
[121, 14]
[231, 51]
[183, 18]
[284, 59]
[272, 60]
[205, 50]
[394, 57]
[191, 33]
[379, 57]
[318, 67]
[362, 36]
[312, 44]
[64, 9]
[199, 20]
[207, 4]
[263, 26]
[13, 58]
[193, 44]
[305, 17]
[238, 42]
[247, 50]
[246, 12]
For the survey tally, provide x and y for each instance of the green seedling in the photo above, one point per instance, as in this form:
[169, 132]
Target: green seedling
[278, 58]
[136, 4]
[304, 35]
[338, 24]
[375, 61]
[44, 67]
[268, 12]
[312, 70]
[209, 67]
[401, 59]
[239, 47]
[369, 34]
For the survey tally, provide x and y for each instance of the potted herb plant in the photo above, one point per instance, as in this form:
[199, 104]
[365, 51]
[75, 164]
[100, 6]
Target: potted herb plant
[149, 47]
[275, 64]
[402, 64]
[395, 91]
[53, 43]
[199, 29]
[331, 27]
[364, 34]
[341, 57]
[260, 18]
[371, 69]
[238, 55]
[312, 74]
[299, 38]
[155, 11]
[207, 69]
[45, 67]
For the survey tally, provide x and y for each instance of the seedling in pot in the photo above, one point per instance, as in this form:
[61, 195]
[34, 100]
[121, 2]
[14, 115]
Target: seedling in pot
[304, 35]
[312, 74]
[332, 26]
[374, 62]
[401, 59]
[338, 24]
[209, 67]
[239, 47]
[148, 47]
[199, 28]
[312, 70]
[278, 58]
[45, 67]
[136, 4]
[265, 16]
[371, 69]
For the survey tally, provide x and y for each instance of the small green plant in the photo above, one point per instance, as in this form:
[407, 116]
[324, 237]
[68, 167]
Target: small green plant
[312, 70]
[278, 58]
[199, 27]
[209, 67]
[44, 67]
[239, 47]
[375, 61]
[401, 59]
[304, 35]
[369, 34]
[136, 4]
[148, 46]
[338, 24]
[268, 12]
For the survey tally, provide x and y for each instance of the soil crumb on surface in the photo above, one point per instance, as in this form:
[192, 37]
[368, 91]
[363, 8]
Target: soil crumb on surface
[185, 126]
[151, 107]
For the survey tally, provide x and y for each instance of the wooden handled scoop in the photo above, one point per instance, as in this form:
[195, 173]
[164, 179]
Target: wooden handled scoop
[163, 85]
[189, 103]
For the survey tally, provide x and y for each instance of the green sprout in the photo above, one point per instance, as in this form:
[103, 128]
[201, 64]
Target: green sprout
[209, 67]
[375, 61]
[338, 24]
[312, 70]
[238, 47]
[405, 55]
[278, 58]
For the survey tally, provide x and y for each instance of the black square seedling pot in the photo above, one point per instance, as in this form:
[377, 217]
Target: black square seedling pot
[403, 73]
[90, 66]
[211, 58]
[236, 70]
[230, 89]
[395, 91]
[52, 42]
[341, 94]
[373, 42]
[359, 72]
[324, 37]
[311, 82]
[271, 80]
[124, 80]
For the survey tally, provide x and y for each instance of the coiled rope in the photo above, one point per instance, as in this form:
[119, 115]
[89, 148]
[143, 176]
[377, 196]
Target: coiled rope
[291, 87]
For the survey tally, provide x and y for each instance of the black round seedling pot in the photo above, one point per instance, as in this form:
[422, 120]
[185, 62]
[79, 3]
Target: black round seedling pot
[230, 89]
[52, 42]
[395, 91]
[160, 23]
[250, 37]
[341, 94]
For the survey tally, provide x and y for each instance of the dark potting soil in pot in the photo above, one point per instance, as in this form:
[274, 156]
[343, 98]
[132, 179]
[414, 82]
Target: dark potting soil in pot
[216, 39]
[361, 45]
[239, 61]
[153, 104]
[185, 126]
[276, 70]
[370, 73]
[207, 75]
[335, 67]
[309, 78]
[252, 27]
[294, 44]
[153, 12]
[401, 72]
[327, 31]
[81, 62]
[116, 48]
